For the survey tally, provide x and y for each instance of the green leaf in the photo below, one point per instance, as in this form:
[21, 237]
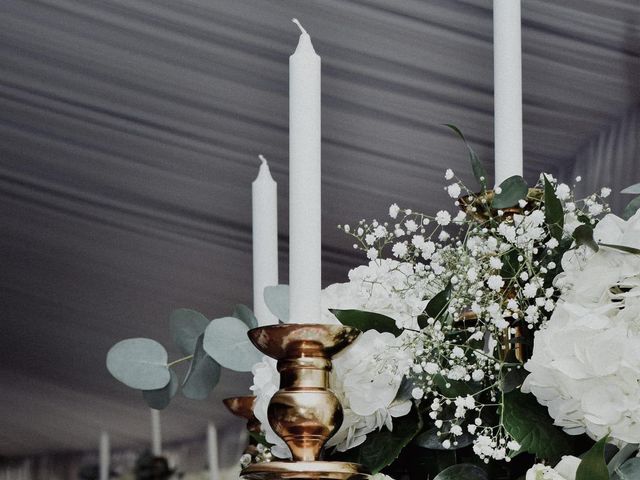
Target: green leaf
[583, 235]
[531, 426]
[160, 398]
[364, 321]
[622, 248]
[382, 447]
[630, 470]
[186, 326]
[619, 458]
[553, 212]
[476, 166]
[226, 341]
[139, 363]
[203, 374]
[633, 189]
[512, 379]
[431, 440]
[462, 471]
[453, 388]
[593, 466]
[631, 208]
[404, 390]
[437, 306]
[512, 189]
[245, 314]
[277, 300]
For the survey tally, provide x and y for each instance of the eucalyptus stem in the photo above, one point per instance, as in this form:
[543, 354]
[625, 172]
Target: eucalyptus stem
[183, 359]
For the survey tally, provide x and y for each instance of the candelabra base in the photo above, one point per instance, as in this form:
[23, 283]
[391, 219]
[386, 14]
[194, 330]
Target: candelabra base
[316, 470]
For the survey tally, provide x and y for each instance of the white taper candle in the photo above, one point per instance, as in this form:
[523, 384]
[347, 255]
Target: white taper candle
[264, 199]
[507, 80]
[212, 452]
[304, 182]
[156, 433]
[104, 455]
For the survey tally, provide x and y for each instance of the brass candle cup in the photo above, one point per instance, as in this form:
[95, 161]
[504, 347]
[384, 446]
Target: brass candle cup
[243, 407]
[305, 413]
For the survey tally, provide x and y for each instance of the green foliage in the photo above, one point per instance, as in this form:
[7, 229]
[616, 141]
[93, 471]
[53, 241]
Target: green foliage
[226, 341]
[244, 313]
[622, 248]
[453, 388]
[631, 208]
[160, 398]
[633, 189]
[139, 363]
[437, 306]
[619, 458]
[277, 300]
[203, 374]
[530, 425]
[629, 470]
[512, 190]
[593, 466]
[381, 448]
[476, 166]
[512, 378]
[367, 321]
[583, 235]
[462, 471]
[553, 212]
[431, 440]
[186, 326]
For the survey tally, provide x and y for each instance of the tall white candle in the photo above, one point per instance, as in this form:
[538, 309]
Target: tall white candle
[156, 434]
[304, 183]
[105, 456]
[507, 81]
[212, 452]
[264, 195]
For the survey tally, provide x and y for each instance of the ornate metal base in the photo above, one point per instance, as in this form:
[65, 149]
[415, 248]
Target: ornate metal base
[316, 470]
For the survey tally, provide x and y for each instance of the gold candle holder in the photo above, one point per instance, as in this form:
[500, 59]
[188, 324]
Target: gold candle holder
[243, 407]
[305, 413]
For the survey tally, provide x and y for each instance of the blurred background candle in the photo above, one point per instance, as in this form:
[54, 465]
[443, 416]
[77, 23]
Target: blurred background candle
[156, 435]
[507, 85]
[304, 182]
[104, 456]
[264, 195]
[212, 452]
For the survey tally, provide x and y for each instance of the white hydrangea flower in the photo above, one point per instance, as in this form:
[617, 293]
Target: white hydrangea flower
[565, 470]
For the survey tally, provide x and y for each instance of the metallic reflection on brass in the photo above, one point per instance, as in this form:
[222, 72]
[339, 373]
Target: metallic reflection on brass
[243, 407]
[304, 412]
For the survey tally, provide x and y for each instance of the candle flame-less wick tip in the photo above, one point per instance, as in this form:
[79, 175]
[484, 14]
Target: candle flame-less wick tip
[262, 159]
[297, 22]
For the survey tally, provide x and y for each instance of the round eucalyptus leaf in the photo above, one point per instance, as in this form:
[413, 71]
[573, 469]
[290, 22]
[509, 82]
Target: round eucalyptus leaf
[630, 470]
[462, 471]
[277, 299]
[161, 397]
[139, 363]
[226, 341]
[512, 189]
[186, 326]
[431, 440]
[203, 374]
[245, 314]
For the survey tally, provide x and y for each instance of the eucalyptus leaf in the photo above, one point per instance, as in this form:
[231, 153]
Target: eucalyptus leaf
[186, 326]
[593, 466]
[633, 189]
[583, 235]
[476, 166]
[245, 314]
[621, 456]
[382, 447]
[404, 391]
[139, 363]
[364, 321]
[437, 306]
[531, 426]
[226, 341]
[203, 374]
[431, 440]
[512, 379]
[453, 388]
[160, 398]
[512, 190]
[630, 470]
[462, 471]
[631, 208]
[553, 212]
[277, 300]
[622, 248]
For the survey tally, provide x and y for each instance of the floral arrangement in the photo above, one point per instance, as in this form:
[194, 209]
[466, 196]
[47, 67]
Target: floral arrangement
[502, 341]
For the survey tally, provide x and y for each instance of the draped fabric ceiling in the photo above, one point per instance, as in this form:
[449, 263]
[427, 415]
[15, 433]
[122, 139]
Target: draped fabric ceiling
[129, 134]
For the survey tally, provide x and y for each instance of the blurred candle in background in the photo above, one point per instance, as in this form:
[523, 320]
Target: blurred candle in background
[156, 434]
[104, 455]
[212, 452]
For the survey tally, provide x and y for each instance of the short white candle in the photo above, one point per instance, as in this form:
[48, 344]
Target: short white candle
[105, 456]
[304, 183]
[212, 452]
[507, 81]
[156, 434]
[264, 195]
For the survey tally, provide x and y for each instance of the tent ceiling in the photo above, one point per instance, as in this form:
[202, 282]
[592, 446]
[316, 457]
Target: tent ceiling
[129, 132]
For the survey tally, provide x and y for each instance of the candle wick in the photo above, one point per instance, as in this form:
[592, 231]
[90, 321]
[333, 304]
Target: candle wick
[262, 159]
[295, 20]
